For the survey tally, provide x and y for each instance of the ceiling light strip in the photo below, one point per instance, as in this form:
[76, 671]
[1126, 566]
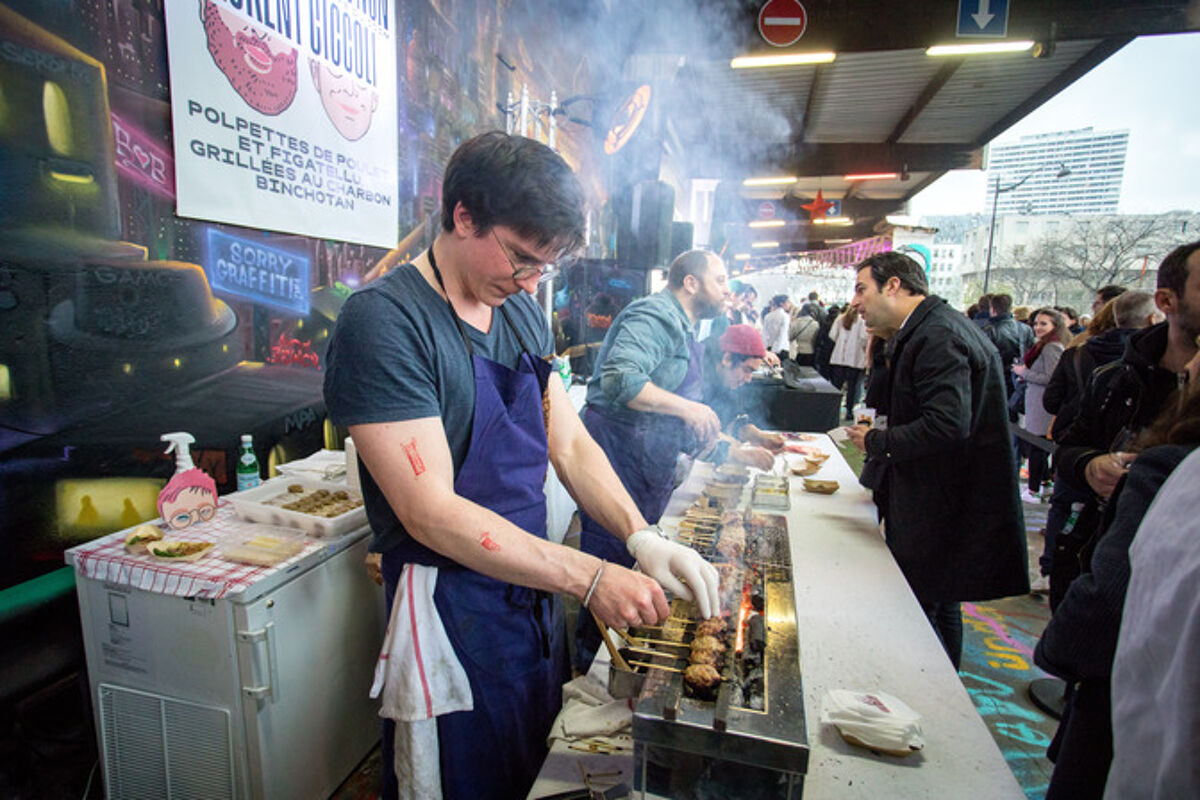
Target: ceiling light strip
[782, 60]
[978, 49]
[778, 180]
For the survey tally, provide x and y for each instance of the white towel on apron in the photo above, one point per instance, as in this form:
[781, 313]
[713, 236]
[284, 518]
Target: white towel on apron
[420, 678]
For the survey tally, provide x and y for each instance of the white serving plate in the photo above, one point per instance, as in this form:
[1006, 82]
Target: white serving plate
[253, 505]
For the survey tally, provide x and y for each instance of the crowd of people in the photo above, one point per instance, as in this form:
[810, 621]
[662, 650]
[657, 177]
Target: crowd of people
[441, 371]
[1115, 398]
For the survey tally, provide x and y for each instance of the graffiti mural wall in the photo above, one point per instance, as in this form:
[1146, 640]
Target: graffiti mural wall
[121, 320]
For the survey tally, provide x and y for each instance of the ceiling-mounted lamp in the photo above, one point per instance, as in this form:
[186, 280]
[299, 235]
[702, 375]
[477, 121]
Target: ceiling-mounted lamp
[842, 221]
[741, 257]
[778, 180]
[979, 49]
[872, 176]
[764, 244]
[767, 223]
[839, 241]
[782, 60]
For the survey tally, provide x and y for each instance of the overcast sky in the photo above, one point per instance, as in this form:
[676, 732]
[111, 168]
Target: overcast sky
[1149, 87]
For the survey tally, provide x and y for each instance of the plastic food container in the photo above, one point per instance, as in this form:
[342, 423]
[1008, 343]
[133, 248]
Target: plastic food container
[264, 545]
[263, 504]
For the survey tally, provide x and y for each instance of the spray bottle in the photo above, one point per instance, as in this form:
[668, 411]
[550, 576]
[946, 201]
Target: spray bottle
[191, 495]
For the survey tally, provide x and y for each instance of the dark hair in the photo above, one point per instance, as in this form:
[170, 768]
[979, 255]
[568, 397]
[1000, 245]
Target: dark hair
[1112, 291]
[813, 296]
[1070, 312]
[689, 262]
[1002, 303]
[747, 288]
[984, 302]
[849, 317]
[972, 310]
[893, 264]
[515, 182]
[1061, 333]
[736, 359]
[778, 300]
[1172, 272]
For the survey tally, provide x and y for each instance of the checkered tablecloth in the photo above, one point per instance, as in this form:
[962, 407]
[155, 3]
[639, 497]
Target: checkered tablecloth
[106, 559]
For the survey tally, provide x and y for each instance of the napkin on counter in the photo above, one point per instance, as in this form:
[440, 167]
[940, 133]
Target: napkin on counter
[874, 720]
[589, 711]
[323, 465]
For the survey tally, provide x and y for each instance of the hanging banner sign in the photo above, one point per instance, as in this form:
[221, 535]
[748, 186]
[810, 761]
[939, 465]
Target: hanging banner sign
[284, 115]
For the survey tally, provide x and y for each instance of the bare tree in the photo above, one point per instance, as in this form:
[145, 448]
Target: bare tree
[1094, 251]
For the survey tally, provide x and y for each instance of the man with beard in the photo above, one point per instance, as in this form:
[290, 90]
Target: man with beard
[645, 401]
[259, 66]
[943, 472]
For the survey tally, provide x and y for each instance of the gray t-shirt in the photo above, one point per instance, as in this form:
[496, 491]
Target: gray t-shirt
[397, 354]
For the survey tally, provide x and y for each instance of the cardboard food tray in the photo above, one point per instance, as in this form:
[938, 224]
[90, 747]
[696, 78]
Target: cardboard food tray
[254, 505]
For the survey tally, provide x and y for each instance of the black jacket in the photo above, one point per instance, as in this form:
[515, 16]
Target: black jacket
[1122, 397]
[1013, 339]
[1080, 641]
[945, 464]
[1067, 384]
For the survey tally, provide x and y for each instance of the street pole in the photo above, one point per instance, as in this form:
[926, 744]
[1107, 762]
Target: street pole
[987, 267]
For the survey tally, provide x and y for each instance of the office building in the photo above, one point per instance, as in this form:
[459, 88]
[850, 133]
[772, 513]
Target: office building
[1096, 164]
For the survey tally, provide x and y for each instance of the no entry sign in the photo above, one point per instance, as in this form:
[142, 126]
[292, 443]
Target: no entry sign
[782, 22]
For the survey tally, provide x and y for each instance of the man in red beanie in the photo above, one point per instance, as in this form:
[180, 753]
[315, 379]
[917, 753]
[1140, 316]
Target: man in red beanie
[729, 363]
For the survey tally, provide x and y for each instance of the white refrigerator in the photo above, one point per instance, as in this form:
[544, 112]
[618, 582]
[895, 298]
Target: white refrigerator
[258, 695]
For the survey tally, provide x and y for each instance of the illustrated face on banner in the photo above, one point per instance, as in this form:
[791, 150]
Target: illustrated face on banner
[349, 104]
[260, 66]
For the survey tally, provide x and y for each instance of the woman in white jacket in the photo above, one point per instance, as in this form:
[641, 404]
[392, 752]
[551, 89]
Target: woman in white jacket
[849, 357]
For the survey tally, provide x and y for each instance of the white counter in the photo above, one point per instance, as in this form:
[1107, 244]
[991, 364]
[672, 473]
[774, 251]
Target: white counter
[859, 628]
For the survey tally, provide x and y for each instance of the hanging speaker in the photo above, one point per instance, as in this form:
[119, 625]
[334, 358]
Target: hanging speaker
[644, 212]
[681, 238]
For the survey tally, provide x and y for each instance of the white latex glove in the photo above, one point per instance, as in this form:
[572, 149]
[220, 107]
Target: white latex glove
[678, 569]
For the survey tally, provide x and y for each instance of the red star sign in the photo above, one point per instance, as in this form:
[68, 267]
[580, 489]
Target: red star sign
[817, 208]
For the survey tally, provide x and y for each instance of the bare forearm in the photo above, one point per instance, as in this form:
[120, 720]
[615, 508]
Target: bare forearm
[486, 542]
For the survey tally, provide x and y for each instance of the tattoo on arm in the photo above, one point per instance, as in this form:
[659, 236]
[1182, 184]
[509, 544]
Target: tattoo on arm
[414, 458]
[488, 543]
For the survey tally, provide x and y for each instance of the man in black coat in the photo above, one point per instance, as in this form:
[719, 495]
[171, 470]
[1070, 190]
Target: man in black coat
[1013, 339]
[944, 465]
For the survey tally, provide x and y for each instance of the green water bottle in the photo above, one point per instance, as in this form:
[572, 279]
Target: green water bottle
[247, 466]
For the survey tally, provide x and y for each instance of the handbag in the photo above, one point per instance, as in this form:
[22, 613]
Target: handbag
[1016, 401]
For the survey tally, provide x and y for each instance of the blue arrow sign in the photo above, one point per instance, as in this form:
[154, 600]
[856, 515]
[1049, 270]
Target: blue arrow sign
[835, 208]
[983, 18]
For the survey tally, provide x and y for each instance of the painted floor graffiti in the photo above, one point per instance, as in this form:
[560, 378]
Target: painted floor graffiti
[997, 667]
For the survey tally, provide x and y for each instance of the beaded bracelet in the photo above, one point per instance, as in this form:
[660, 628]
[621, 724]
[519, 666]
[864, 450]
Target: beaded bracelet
[587, 598]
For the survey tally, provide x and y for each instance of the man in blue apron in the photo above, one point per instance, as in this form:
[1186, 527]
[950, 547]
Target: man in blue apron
[439, 369]
[645, 402]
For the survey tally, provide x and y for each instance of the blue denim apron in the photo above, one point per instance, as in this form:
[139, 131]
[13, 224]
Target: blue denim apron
[509, 639]
[643, 449]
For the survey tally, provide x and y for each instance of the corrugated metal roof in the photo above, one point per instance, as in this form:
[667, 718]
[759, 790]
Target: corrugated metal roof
[984, 90]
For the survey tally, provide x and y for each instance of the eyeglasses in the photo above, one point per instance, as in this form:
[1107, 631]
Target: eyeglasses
[185, 517]
[545, 272]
